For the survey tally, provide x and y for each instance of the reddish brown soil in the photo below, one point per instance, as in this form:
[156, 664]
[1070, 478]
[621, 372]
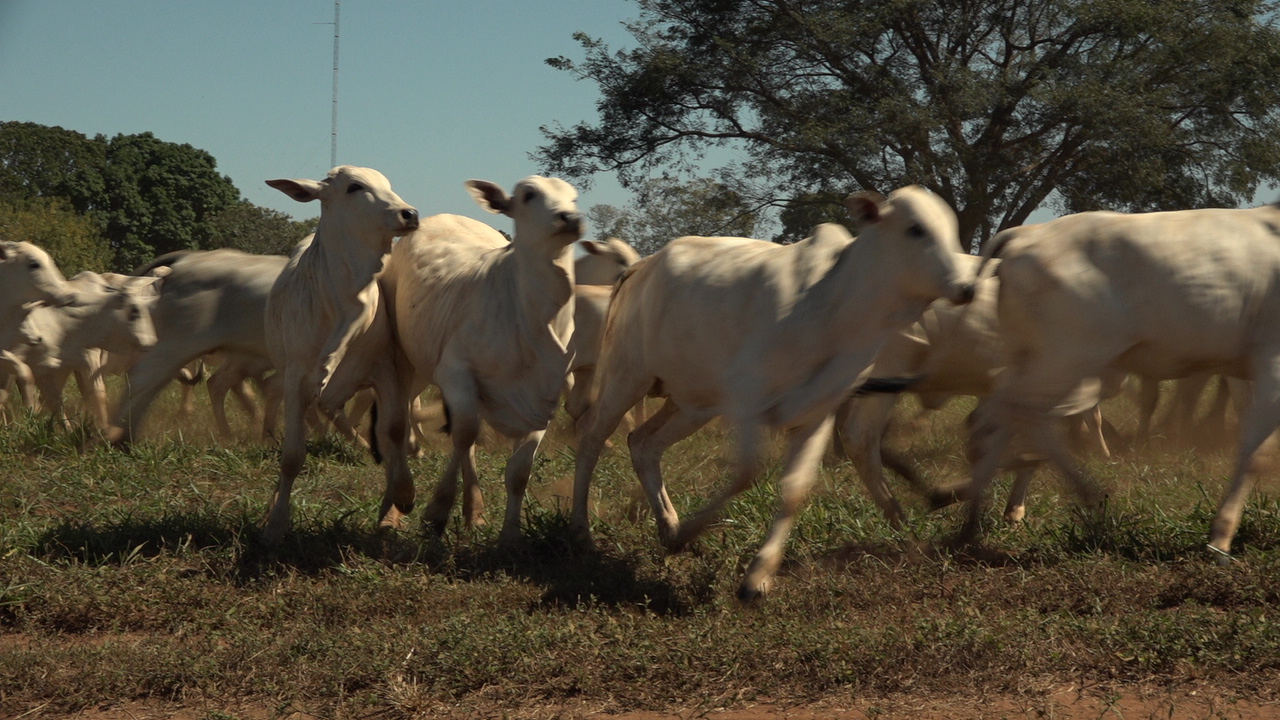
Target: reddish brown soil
[1067, 703]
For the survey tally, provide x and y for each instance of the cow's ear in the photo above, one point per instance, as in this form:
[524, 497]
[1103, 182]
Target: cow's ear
[6, 249]
[490, 196]
[594, 248]
[300, 190]
[865, 207]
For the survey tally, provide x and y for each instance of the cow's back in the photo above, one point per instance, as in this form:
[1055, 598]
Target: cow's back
[219, 295]
[1174, 291]
[689, 312]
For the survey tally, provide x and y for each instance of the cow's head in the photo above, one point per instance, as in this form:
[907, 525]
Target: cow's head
[921, 240]
[30, 276]
[130, 318]
[603, 262]
[545, 210]
[355, 203]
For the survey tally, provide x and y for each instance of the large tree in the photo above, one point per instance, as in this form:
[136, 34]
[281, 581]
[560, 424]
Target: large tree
[147, 196]
[162, 197]
[72, 239]
[255, 229]
[999, 106]
[39, 161]
[664, 209]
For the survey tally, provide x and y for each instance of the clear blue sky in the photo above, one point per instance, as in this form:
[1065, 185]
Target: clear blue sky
[430, 93]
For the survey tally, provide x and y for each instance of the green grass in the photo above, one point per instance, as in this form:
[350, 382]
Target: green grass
[139, 576]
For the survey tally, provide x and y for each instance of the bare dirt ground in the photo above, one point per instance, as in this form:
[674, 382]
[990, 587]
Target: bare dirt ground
[1065, 703]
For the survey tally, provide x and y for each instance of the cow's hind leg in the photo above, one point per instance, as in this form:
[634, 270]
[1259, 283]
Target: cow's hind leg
[618, 392]
[1261, 416]
[1016, 507]
[990, 438]
[1048, 438]
[862, 433]
[648, 442]
[804, 453]
[145, 381]
[746, 472]
[218, 385]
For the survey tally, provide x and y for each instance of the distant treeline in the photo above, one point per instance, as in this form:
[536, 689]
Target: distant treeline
[113, 203]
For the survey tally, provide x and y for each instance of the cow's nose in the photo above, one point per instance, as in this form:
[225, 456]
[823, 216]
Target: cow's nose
[572, 220]
[410, 217]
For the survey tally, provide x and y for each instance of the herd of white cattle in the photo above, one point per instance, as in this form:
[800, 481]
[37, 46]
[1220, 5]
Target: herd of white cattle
[1043, 326]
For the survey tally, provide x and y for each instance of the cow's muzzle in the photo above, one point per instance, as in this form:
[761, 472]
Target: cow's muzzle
[570, 223]
[963, 294]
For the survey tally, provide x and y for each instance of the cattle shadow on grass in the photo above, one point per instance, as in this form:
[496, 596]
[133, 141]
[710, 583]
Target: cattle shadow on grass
[571, 575]
[310, 549]
[130, 537]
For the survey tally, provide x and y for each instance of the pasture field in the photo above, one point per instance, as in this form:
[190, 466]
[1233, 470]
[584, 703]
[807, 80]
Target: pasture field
[134, 584]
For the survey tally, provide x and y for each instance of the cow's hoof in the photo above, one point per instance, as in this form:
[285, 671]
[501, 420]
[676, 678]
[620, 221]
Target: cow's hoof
[751, 593]
[580, 536]
[392, 519]
[509, 539]
[1222, 557]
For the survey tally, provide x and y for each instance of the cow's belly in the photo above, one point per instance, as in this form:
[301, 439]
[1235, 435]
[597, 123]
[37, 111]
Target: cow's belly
[1169, 360]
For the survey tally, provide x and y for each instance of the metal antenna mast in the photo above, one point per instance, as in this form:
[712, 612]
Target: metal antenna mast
[333, 146]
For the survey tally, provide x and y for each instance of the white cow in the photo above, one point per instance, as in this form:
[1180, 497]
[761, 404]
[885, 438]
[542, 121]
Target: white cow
[211, 301]
[101, 317]
[590, 305]
[1162, 295]
[769, 335]
[328, 328]
[145, 288]
[488, 322]
[14, 371]
[28, 276]
[953, 350]
[595, 272]
[603, 262]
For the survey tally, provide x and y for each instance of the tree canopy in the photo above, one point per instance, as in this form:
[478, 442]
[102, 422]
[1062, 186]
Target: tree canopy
[71, 239]
[142, 195]
[255, 229]
[664, 209]
[999, 106]
[161, 196]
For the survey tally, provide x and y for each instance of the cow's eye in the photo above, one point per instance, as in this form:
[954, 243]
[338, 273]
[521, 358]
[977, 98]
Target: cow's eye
[354, 187]
[916, 231]
[528, 196]
[35, 265]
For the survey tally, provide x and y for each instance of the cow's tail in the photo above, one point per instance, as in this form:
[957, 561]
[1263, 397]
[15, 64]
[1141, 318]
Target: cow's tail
[374, 450]
[886, 385]
[447, 428]
[165, 260]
